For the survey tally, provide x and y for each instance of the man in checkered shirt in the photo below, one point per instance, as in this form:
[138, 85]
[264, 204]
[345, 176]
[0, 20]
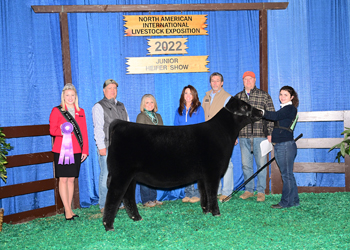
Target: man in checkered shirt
[250, 138]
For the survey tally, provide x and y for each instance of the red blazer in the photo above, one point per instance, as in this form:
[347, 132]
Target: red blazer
[57, 119]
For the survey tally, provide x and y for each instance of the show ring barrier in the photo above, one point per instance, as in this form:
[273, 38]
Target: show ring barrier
[316, 167]
[35, 186]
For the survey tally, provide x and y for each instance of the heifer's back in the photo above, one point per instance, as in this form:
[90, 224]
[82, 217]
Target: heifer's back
[167, 156]
[172, 156]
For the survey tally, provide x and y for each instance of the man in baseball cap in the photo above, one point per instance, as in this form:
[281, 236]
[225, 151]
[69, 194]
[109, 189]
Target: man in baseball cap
[250, 136]
[103, 113]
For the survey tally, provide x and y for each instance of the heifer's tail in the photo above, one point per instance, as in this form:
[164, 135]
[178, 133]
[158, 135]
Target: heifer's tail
[253, 176]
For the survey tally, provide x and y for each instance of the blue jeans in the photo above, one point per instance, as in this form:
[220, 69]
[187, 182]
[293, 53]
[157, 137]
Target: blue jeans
[285, 153]
[147, 194]
[227, 188]
[102, 183]
[191, 191]
[247, 163]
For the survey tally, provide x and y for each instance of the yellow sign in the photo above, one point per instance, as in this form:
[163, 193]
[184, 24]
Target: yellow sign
[167, 46]
[180, 64]
[165, 25]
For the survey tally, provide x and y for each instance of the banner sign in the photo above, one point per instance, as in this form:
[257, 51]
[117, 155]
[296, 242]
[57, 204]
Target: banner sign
[180, 64]
[167, 46]
[165, 25]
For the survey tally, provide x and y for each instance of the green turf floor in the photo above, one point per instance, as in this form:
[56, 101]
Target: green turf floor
[322, 221]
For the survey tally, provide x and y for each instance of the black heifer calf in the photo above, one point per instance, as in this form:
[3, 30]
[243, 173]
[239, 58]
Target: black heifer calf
[171, 156]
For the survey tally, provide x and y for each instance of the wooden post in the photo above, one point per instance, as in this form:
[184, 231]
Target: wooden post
[263, 49]
[347, 158]
[67, 71]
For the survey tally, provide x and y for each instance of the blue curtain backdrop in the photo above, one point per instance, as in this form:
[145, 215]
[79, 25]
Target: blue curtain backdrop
[308, 48]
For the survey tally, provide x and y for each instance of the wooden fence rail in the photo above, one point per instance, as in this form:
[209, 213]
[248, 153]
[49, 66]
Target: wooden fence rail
[316, 167]
[35, 186]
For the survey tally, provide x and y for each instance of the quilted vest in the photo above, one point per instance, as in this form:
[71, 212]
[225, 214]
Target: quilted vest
[111, 111]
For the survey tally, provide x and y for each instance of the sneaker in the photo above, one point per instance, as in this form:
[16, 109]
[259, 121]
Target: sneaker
[194, 199]
[149, 204]
[222, 197]
[246, 195]
[261, 197]
[186, 199]
[159, 203]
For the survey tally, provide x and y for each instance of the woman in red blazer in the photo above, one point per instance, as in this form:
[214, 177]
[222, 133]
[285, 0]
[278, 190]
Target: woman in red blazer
[68, 171]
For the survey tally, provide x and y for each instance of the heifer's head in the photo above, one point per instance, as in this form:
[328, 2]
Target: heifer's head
[241, 108]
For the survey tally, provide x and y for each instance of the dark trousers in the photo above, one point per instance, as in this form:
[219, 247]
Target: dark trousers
[147, 194]
[285, 153]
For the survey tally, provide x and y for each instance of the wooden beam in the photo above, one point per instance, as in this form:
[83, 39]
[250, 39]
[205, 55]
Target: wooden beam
[318, 167]
[30, 215]
[27, 188]
[263, 50]
[321, 116]
[67, 70]
[29, 159]
[318, 142]
[157, 7]
[26, 131]
[320, 189]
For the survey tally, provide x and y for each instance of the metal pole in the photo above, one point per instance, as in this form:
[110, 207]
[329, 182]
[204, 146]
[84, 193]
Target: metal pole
[254, 175]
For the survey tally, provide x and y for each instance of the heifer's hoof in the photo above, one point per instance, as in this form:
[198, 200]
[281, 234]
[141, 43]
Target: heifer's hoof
[205, 210]
[216, 213]
[136, 218]
[108, 228]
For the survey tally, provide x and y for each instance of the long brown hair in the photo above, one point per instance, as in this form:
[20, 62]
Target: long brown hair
[195, 101]
[293, 93]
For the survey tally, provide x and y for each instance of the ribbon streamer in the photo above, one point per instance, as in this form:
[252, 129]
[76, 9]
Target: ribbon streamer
[67, 146]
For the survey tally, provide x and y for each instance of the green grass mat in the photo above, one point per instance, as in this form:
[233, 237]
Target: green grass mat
[322, 221]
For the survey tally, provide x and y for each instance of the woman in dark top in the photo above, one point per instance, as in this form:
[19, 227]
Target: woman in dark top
[285, 147]
[149, 116]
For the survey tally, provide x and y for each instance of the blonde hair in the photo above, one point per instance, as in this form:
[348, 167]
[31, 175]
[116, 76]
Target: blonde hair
[69, 86]
[143, 100]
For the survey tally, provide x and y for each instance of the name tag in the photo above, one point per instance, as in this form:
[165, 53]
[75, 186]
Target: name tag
[206, 100]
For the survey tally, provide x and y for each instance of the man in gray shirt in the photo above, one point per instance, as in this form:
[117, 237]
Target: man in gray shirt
[103, 113]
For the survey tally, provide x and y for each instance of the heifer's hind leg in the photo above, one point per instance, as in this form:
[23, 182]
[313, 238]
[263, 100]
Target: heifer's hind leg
[204, 196]
[130, 203]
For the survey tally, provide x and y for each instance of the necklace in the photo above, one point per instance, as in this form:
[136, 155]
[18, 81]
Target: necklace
[151, 115]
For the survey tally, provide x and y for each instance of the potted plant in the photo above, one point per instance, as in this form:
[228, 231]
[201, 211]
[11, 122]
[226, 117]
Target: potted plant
[344, 145]
[4, 147]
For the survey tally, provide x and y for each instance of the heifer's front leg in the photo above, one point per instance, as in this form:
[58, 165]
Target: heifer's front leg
[114, 197]
[130, 203]
[204, 196]
[211, 186]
